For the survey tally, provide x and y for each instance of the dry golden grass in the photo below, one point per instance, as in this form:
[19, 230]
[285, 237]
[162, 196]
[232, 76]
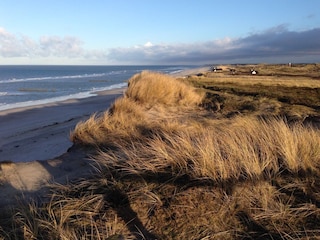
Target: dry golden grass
[246, 149]
[268, 75]
[287, 81]
[277, 90]
[100, 129]
[127, 117]
[70, 217]
[151, 88]
[237, 168]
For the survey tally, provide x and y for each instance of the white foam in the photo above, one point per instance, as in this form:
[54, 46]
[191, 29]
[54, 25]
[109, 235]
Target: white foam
[80, 95]
[175, 72]
[13, 80]
[114, 86]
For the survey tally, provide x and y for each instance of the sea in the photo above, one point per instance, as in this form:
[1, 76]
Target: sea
[22, 85]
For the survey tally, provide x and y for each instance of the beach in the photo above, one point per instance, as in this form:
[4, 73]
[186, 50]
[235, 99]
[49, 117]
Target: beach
[42, 132]
[35, 149]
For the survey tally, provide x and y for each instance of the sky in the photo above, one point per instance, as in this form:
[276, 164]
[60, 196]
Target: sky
[153, 32]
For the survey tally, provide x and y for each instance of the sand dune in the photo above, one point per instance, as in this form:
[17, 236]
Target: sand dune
[35, 149]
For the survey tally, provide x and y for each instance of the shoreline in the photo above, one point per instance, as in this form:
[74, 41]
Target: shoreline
[21, 106]
[80, 95]
[41, 132]
[35, 149]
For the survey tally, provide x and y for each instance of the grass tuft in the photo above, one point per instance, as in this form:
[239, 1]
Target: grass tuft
[153, 88]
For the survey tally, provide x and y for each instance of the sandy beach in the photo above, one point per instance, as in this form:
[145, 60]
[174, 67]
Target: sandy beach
[42, 132]
[34, 143]
[35, 149]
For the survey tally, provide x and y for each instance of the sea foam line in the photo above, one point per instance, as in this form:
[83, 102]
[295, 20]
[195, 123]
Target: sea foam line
[80, 95]
[13, 80]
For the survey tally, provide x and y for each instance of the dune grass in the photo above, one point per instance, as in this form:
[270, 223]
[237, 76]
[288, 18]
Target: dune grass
[245, 149]
[175, 162]
[151, 88]
[127, 118]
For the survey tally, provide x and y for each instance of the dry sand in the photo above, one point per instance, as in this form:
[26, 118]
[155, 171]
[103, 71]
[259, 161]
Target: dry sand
[34, 143]
[35, 149]
[42, 132]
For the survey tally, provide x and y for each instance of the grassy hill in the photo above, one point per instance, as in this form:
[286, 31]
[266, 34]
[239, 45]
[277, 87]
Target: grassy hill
[217, 155]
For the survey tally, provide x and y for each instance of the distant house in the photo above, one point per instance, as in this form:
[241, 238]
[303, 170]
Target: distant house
[253, 72]
[215, 69]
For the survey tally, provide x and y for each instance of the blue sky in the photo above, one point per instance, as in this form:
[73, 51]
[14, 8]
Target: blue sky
[159, 32]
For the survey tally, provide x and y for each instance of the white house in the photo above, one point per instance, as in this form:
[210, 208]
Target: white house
[254, 72]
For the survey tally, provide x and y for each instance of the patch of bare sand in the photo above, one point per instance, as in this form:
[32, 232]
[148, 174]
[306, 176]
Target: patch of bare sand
[25, 180]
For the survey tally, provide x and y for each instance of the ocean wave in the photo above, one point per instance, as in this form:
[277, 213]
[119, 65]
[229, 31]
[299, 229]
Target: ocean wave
[3, 93]
[86, 75]
[36, 90]
[114, 86]
[175, 72]
[80, 95]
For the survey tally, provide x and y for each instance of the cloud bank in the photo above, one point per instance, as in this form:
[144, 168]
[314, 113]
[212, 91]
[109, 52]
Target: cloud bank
[277, 44]
[274, 45]
[68, 47]
[23, 46]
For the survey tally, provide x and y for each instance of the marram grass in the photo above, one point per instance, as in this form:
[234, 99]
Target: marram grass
[168, 169]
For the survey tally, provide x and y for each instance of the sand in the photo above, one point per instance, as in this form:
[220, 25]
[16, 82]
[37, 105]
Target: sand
[35, 149]
[42, 132]
[191, 71]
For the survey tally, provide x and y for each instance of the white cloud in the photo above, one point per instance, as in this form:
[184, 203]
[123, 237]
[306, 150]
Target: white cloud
[60, 47]
[10, 46]
[68, 47]
[224, 42]
[148, 44]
